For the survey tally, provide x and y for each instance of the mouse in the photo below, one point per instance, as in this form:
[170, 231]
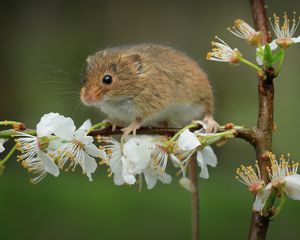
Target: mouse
[148, 85]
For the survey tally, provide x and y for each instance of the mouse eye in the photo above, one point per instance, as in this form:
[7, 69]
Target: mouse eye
[107, 79]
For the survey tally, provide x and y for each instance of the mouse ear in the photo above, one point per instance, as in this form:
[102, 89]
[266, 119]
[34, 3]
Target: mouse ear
[89, 59]
[95, 56]
[136, 59]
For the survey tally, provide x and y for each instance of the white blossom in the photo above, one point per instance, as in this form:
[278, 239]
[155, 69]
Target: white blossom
[243, 30]
[251, 177]
[188, 144]
[78, 147]
[285, 32]
[54, 122]
[134, 158]
[221, 52]
[284, 178]
[205, 157]
[32, 150]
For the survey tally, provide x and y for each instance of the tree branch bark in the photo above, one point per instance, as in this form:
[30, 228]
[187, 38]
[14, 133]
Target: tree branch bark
[260, 19]
[195, 199]
[264, 130]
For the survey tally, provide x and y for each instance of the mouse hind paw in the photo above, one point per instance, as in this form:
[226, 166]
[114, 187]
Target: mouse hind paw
[211, 125]
[132, 128]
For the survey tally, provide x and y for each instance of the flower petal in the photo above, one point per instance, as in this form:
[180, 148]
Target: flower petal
[138, 152]
[152, 175]
[292, 186]
[80, 135]
[128, 177]
[261, 198]
[89, 165]
[188, 141]
[2, 141]
[273, 45]
[86, 125]
[55, 123]
[64, 127]
[48, 164]
[259, 60]
[176, 162]
[150, 179]
[201, 163]
[45, 126]
[53, 146]
[209, 156]
[92, 150]
[296, 40]
[164, 178]
[186, 184]
[115, 164]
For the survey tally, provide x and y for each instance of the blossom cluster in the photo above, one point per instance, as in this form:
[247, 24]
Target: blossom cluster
[265, 53]
[284, 181]
[57, 145]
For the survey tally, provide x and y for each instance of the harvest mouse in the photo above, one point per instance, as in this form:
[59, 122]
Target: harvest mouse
[148, 85]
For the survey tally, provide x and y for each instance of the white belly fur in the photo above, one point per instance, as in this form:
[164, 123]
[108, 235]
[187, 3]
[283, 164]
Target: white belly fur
[175, 115]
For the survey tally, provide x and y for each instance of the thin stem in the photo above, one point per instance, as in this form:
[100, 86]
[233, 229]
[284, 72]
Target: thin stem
[280, 63]
[243, 60]
[7, 157]
[98, 125]
[219, 135]
[278, 209]
[11, 133]
[6, 123]
[195, 198]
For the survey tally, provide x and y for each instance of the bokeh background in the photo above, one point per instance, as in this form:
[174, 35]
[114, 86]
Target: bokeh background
[44, 45]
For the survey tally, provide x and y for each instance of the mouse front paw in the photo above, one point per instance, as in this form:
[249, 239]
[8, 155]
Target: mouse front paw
[114, 123]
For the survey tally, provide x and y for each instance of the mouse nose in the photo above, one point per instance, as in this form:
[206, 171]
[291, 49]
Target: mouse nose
[90, 96]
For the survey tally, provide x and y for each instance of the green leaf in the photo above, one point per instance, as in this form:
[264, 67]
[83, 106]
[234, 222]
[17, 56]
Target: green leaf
[277, 56]
[268, 56]
[279, 208]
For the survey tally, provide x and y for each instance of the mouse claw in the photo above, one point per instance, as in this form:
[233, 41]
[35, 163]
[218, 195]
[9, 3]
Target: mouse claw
[114, 124]
[211, 125]
[132, 128]
[114, 127]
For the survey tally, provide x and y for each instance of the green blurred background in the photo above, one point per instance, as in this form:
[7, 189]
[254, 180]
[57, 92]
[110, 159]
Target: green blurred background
[44, 45]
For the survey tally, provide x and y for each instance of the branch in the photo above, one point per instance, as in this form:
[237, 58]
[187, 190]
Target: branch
[195, 198]
[260, 19]
[241, 132]
[264, 130]
[143, 130]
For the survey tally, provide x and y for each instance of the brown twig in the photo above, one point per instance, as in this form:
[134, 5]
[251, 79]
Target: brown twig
[264, 131]
[143, 130]
[195, 199]
[243, 133]
[260, 19]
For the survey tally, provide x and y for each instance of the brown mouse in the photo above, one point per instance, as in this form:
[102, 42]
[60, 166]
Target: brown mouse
[148, 85]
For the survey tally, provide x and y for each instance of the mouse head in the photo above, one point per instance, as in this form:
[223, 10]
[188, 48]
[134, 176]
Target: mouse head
[110, 75]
